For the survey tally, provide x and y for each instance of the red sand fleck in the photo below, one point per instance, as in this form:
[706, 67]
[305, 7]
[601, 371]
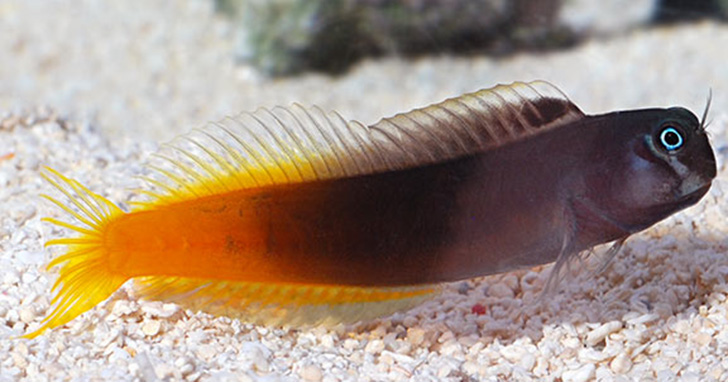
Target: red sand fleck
[478, 309]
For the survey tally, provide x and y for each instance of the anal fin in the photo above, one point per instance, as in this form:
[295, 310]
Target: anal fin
[283, 304]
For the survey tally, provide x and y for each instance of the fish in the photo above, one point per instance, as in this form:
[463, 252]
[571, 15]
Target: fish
[297, 216]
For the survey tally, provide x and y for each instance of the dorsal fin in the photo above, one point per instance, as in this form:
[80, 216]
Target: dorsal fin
[478, 121]
[298, 144]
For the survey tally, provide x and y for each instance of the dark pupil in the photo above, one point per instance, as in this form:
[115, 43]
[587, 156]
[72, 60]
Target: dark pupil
[671, 138]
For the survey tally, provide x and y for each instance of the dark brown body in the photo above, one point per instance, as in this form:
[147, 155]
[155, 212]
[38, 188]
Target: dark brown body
[511, 207]
[478, 215]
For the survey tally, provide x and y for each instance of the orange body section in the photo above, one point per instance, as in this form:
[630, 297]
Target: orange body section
[217, 237]
[376, 230]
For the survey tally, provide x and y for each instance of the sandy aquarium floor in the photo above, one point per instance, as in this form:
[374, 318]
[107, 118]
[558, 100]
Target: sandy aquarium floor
[91, 88]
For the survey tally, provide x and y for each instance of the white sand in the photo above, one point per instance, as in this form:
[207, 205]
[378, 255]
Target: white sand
[123, 79]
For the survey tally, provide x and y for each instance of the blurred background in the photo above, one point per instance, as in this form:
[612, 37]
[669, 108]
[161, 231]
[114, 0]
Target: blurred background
[153, 69]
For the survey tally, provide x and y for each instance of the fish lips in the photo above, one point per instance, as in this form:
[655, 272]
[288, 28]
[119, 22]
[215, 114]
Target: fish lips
[690, 193]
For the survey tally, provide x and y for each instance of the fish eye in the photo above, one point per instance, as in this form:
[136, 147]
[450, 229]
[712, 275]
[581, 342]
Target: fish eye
[671, 138]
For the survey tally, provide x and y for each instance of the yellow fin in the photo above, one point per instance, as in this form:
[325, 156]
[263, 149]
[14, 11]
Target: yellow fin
[84, 279]
[298, 144]
[283, 304]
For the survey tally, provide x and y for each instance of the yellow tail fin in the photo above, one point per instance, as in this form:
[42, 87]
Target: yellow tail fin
[84, 278]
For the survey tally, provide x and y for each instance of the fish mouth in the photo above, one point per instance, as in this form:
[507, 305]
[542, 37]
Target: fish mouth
[693, 196]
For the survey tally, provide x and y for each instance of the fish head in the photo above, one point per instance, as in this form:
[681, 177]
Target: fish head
[652, 163]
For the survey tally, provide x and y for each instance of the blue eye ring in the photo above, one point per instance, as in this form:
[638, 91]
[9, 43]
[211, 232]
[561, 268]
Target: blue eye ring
[671, 138]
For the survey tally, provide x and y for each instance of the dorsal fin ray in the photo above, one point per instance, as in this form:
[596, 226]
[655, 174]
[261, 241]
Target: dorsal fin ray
[299, 144]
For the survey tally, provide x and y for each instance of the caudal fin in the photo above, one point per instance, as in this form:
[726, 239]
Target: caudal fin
[84, 277]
